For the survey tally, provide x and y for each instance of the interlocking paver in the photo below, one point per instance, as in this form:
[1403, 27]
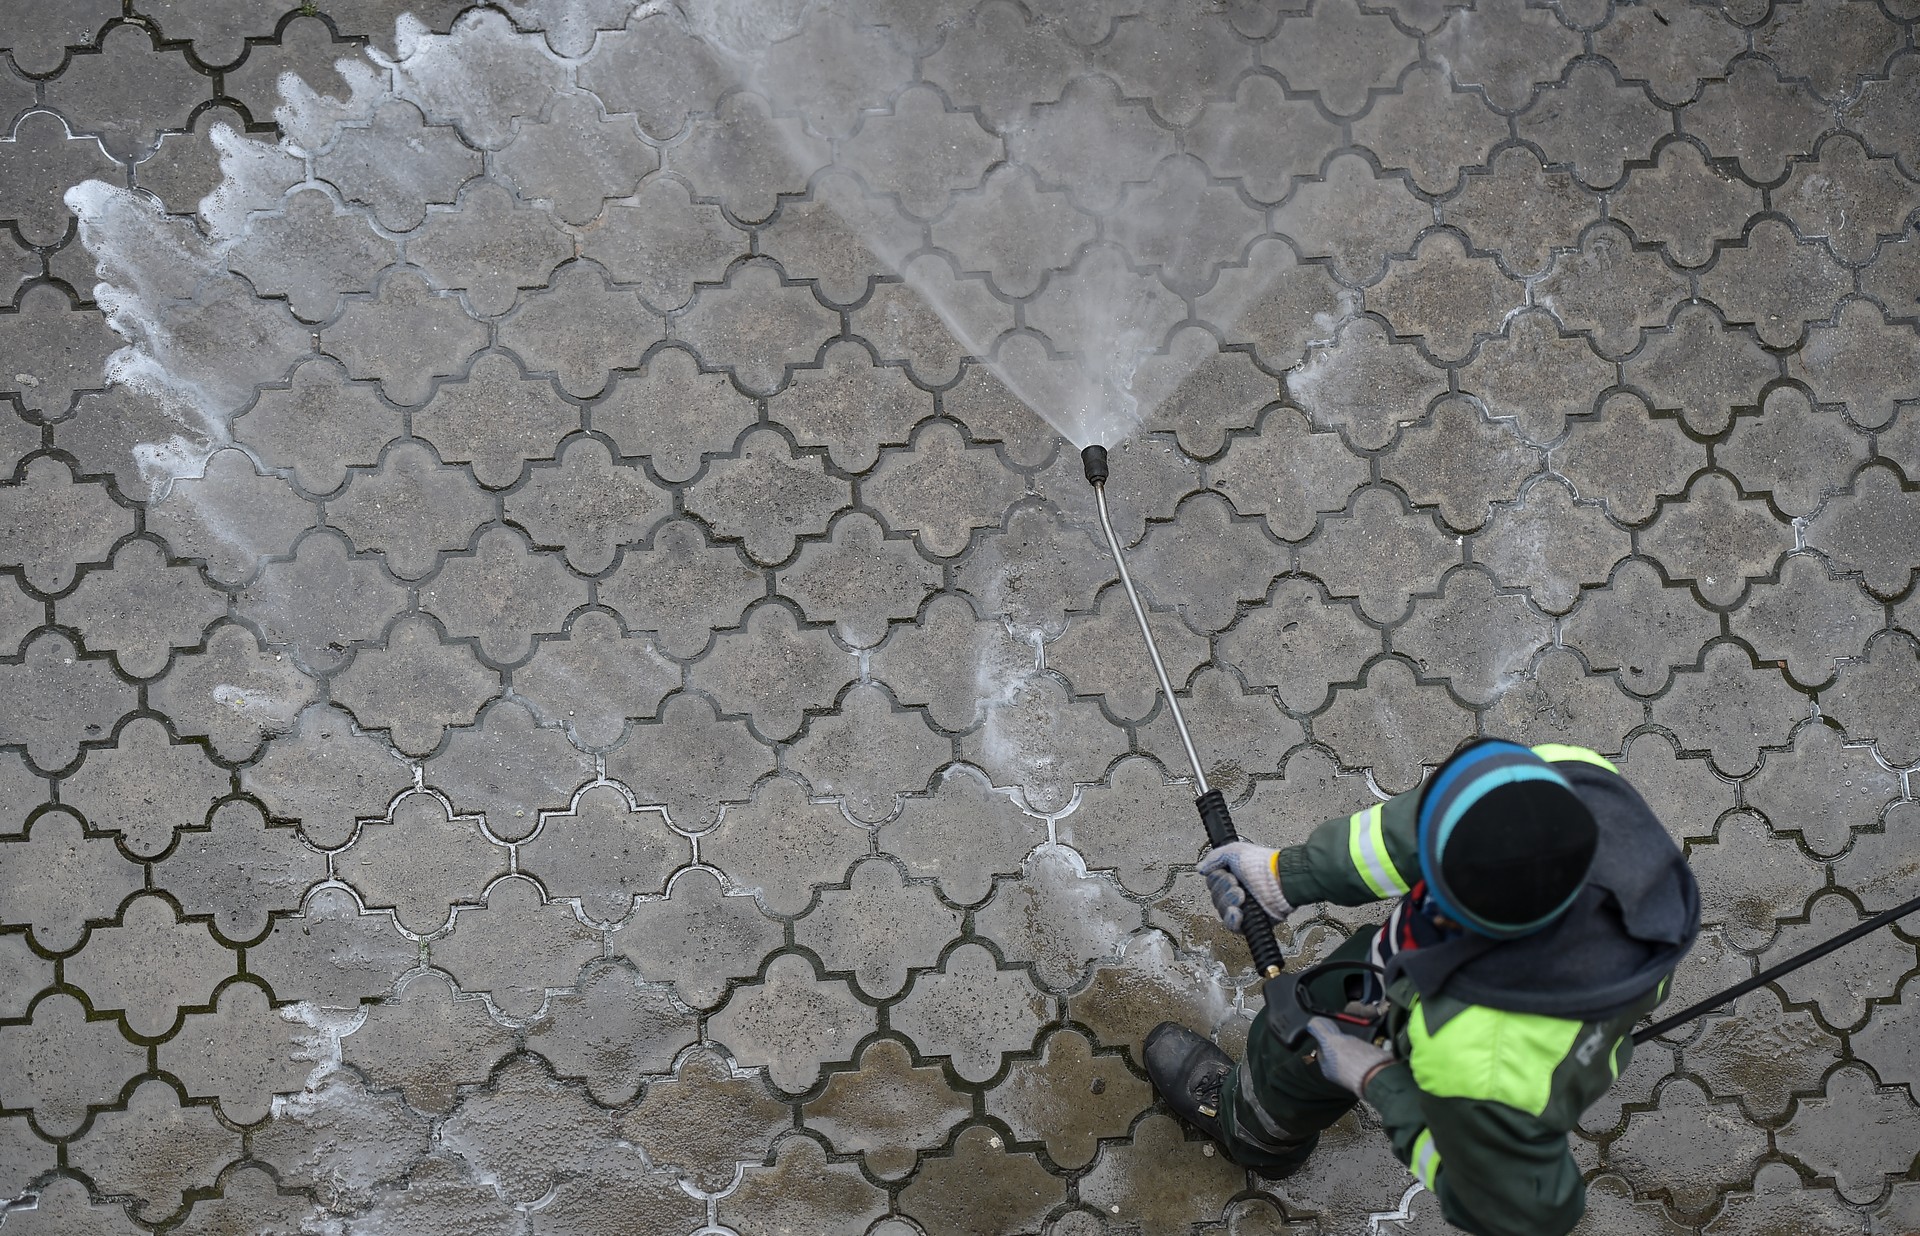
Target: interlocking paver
[369, 162]
[58, 350]
[730, 471]
[503, 595]
[508, 769]
[249, 1194]
[1560, 698]
[53, 522]
[612, 1188]
[441, 1198]
[480, 75]
[1689, 1147]
[900, 324]
[802, 1187]
[1552, 546]
[1863, 698]
[384, 864]
[1457, 296]
[791, 1022]
[1691, 208]
[886, 1109]
[869, 751]
[1611, 291]
[1536, 375]
[705, 1119]
[321, 601]
[1430, 130]
[1716, 540]
[744, 157]
[52, 855]
[155, 1150]
[128, 91]
[614, 1033]
[1671, 47]
[1859, 529]
[200, 869]
[998, 61]
[842, 238]
[150, 966]
[1521, 210]
[1364, 384]
[1809, 620]
[141, 609]
[324, 774]
[1775, 282]
[1593, 122]
[410, 511]
[691, 761]
[941, 491]
[1729, 707]
[1300, 643]
[1352, 553]
[1261, 138]
[415, 686]
[516, 948]
[1243, 732]
[1058, 918]
[235, 693]
[426, 1044]
[1460, 462]
[982, 1181]
[242, 1054]
[1368, 725]
[1352, 215]
[879, 928]
[1861, 361]
[774, 671]
[145, 787]
[595, 678]
[1479, 639]
[655, 69]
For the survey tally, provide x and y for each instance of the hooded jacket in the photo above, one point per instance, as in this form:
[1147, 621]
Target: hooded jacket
[1501, 1045]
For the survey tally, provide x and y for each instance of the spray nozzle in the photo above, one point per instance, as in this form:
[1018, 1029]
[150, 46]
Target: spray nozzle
[1094, 461]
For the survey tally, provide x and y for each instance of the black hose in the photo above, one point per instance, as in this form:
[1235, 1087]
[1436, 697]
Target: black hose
[1773, 972]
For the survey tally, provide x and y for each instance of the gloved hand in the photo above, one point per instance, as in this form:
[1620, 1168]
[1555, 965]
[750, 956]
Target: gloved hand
[1239, 869]
[1345, 1060]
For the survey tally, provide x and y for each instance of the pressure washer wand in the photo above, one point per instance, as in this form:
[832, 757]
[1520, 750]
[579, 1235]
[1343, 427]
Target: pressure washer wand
[1212, 804]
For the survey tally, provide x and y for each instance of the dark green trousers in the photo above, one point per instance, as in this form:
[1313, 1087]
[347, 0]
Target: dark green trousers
[1274, 1104]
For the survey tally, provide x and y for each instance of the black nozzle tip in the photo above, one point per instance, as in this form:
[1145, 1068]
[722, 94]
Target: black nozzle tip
[1094, 461]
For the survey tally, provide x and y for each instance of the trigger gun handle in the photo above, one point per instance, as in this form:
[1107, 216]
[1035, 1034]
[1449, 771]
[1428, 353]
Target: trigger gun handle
[1254, 923]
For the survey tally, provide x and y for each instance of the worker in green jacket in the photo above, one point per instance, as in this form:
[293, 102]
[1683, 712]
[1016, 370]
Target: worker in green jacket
[1541, 909]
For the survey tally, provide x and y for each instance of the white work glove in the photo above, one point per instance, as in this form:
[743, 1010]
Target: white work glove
[1238, 870]
[1346, 1061]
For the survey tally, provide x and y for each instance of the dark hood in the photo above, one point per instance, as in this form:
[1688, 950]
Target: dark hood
[1626, 931]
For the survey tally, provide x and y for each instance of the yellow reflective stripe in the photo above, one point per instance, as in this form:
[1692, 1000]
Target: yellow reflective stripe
[1367, 847]
[1426, 1160]
[1556, 752]
[1491, 1054]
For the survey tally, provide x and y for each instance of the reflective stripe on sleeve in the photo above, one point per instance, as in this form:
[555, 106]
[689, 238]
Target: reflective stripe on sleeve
[1559, 752]
[1367, 847]
[1426, 1160]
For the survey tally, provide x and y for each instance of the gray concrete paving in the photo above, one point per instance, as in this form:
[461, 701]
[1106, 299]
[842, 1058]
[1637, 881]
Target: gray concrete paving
[547, 685]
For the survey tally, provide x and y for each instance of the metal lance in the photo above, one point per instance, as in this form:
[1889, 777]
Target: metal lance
[1214, 816]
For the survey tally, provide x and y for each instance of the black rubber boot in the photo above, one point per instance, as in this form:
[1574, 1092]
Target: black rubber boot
[1187, 1070]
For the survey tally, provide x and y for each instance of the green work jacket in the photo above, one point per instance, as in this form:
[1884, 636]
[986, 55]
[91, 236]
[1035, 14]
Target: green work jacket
[1479, 1100]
